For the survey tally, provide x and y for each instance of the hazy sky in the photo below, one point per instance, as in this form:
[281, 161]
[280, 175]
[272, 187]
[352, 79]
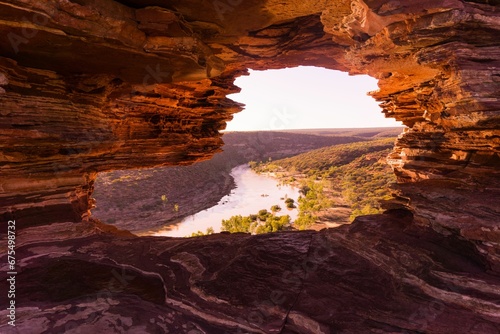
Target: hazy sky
[306, 98]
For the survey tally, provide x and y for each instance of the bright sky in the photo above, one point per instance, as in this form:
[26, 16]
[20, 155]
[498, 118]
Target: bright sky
[306, 98]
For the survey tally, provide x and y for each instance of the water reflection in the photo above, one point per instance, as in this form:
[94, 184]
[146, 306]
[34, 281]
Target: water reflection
[253, 192]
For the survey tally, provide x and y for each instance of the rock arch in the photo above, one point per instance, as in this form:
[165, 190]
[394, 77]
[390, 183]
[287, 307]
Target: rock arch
[90, 86]
[88, 78]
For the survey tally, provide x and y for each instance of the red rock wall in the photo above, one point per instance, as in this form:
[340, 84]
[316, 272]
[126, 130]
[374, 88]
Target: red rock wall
[92, 86]
[96, 85]
[438, 70]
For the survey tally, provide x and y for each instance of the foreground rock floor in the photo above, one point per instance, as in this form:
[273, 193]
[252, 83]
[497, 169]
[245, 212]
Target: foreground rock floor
[381, 274]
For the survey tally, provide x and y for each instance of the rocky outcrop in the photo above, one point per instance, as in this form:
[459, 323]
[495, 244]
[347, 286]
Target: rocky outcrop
[72, 99]
[353, 279]
[90, 86]
[438, 69]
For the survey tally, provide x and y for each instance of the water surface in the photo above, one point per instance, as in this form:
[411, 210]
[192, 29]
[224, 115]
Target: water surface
[253, 192]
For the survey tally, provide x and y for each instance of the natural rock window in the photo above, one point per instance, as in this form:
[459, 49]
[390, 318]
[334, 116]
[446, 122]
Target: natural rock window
[95, 86]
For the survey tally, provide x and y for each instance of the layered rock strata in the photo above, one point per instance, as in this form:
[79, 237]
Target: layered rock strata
[77, 278]
[89, 86]
[145, 83]
[86, 90]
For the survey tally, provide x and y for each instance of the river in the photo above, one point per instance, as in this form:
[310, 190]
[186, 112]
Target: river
[253, 192]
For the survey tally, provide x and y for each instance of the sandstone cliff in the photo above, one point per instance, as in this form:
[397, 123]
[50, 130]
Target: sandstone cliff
[89, 86]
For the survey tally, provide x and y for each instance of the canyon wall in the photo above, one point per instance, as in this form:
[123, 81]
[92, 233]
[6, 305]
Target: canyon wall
[89, 86]
[94, 86]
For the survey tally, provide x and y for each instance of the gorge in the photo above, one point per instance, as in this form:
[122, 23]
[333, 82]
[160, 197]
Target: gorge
[91, 86]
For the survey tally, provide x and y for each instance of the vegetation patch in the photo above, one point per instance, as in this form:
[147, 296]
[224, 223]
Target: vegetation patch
[262, 222]
[353, 175]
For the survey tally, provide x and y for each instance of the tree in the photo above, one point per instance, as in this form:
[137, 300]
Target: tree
[263, 214]
[273, 224]
[236, 224]
[290, 203]
[275, 208]
[304, 190]
[245, 224]
[304, 221]
[209, 231]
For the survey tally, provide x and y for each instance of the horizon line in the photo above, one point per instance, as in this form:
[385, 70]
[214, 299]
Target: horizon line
[316, 129]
